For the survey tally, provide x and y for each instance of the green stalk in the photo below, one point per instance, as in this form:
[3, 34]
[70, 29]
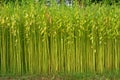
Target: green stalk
[3, 55]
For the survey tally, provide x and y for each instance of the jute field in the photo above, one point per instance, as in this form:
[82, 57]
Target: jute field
[38, 42]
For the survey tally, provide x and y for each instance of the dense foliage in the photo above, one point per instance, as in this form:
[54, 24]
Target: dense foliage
[36, 39]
